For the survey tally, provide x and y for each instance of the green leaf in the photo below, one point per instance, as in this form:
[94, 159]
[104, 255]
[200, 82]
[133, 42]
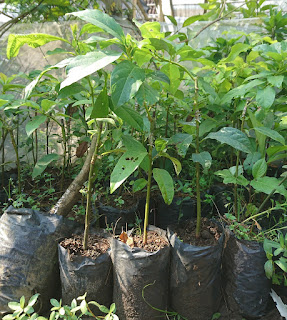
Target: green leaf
[104, 309]
[22, 302]
[14, 306]
[192, 19]
[259, 168]
[3, 102]
[33, 300]
[269, 269]
[84, 307]
[146, 94]
[103, 21]
[34, 40]
[271, 134]
[176, 163]
[90, 28]
[82, 66]
[34, 124]
[172, 20]
[282, 264]
[236, 50]
[112, 307]
[9, 317]
[204, 158]
[101, 107]
[40, 166]
[130, 116]
[267, 185]
[241, 90]
[182, 141]
[165, 183]
[250, 160]
[206, 126]
[265, 97]
[173, 73]
[47, 104]
[69, 91]
[275, 81]
[139, 184]
[128, 162]
[126, 80]
[233, 137]
[261, 138]
[229, 177]
[151, 30]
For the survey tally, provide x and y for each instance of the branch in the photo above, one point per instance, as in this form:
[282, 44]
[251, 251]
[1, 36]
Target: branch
[216, 20]
[7, 25]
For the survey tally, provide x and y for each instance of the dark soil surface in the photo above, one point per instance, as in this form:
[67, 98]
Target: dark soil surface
[209, 235]
[154, 243]
[96, 246]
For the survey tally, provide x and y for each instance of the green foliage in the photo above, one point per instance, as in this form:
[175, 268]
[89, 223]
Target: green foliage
[276, 253]
[76, 311]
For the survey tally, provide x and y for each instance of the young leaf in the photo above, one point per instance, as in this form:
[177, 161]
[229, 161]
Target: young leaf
[139, 184]
[165, 183]
[101, 107]
[33, 300]
[42, 164]
[103, 21]
[269, 269]
[176, 163]
[172, 71]
[126, 80]
[151, 30]
[265, 97]
[259, 168]
[82, 66]
[34, 40]
[271, 134]
[233, 137]
[35, 124]
[236, 50]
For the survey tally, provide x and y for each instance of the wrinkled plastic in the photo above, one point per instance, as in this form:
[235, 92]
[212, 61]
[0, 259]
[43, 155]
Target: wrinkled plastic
[81, 275]
[116, 216]
[179, 210]
[28, 255]
[195, 278]
[136, 270]
[246, 285]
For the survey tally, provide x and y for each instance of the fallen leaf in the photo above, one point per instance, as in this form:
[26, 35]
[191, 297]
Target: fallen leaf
[124, 237]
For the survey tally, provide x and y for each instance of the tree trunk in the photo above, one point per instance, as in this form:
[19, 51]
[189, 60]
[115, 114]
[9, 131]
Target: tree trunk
[71, 195]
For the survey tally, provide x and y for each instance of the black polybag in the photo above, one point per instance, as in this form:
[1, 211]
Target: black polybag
[195, 278]
[81, 274]
[245, 283]
[28, 255]
[119, 218]
[180, 209]
[138, 272]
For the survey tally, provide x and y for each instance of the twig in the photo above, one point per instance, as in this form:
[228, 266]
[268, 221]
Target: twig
[216, 20]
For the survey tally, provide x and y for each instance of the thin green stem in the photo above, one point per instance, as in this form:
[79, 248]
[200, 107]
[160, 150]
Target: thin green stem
[17, 159]
[147, 204]
[197, 165]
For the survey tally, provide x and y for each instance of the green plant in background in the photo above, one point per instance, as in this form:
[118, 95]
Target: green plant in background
[276, 253]
[23, 311]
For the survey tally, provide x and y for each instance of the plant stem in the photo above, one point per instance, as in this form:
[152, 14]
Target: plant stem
[197, 164]
[89, 192]
[17, 159]
[149, 176]
[236, 211]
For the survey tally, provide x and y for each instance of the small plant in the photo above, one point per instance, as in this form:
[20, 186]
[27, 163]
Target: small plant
[22, 311]
[276, 253]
